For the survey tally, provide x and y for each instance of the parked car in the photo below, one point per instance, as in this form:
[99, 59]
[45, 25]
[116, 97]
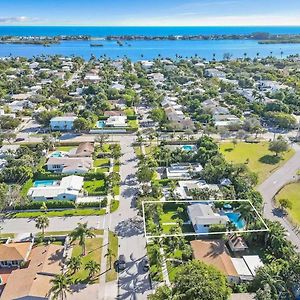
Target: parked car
[121, 262]
[145, 264]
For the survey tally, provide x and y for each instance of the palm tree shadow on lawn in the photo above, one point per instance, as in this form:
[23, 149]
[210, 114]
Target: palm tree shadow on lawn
[270, 159]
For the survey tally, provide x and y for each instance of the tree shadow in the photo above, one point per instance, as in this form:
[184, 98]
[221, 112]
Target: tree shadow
[270, 159]
[228, 149]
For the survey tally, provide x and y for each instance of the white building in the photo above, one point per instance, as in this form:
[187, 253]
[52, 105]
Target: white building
[69, 165]
[182, 171]
[66, 189]
[202, 217]
[116, 121]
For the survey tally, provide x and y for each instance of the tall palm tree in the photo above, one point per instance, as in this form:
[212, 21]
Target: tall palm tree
[42, 222]
[81, 232]
[74, 264]
[60, 286]
[92, 267]
[110, 254]
[247, 213]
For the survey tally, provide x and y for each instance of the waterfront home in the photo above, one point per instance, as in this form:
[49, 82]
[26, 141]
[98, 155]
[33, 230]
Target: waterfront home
[33, 281]
[13, 255]
[69, 165]
[203, 217]
[68, 188]
[146, 64]
[62, 123]
[182, 171]
[185, 188]
[215, 253]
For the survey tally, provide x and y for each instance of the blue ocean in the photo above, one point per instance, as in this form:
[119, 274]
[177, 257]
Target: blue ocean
[137, 50]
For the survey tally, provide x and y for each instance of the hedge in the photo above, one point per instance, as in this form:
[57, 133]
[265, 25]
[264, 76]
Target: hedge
[132, 117]
[58, 204]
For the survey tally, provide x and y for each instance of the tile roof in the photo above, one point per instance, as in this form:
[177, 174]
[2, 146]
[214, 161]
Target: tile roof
[14, 251]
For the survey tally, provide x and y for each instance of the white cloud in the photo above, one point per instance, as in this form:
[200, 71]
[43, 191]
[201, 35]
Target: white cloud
[21, 19]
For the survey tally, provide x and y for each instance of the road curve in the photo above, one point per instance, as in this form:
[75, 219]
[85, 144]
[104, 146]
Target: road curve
[272, 185]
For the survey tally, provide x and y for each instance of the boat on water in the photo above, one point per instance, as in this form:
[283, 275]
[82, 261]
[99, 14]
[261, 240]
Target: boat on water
[96, 45]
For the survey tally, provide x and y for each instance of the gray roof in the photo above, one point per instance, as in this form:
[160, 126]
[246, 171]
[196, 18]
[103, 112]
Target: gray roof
[202, 214]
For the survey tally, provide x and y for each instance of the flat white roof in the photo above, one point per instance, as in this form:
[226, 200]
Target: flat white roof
[63, 119]
[241, 266]
[253, 262]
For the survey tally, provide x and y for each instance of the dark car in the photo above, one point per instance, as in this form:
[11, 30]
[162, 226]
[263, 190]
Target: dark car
[121, 262]
[145, 264]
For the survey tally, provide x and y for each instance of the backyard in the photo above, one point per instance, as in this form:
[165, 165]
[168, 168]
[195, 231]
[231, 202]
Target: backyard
[95, 187]
[257, 157]
[292, 192]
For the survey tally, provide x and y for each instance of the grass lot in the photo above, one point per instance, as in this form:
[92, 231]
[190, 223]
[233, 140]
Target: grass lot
[25, 188]
[61, 213]
[94, 187]
[113, 245]
[260, 159]
[129, 111]
[133, 124]
[100, 162]
[48, 233]
[64, 148]
[93, 252]
[116, 168]
[292, 192]
[114, 205]
[7, 235]
[138, 151]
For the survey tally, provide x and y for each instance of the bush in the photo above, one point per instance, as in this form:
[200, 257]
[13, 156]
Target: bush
[132, 117]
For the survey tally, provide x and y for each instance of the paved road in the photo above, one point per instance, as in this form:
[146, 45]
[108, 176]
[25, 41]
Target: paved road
[273, 184]
[133, 281]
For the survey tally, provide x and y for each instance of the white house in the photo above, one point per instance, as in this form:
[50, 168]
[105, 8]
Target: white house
[214, 73]
[69, 165]
[182, 171]
[202, 217]
[116, 121]
[62, 123]
[66, 189]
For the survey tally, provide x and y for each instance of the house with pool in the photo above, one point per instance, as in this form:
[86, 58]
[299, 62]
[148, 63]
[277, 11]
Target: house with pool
[62, 123]
[202, 217]
[68, 188]
[69, 165]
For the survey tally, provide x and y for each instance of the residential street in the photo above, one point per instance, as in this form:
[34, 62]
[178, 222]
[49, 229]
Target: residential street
[273, 184]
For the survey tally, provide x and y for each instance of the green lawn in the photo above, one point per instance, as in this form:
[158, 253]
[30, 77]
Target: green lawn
[116, 168]
[133, 124]
[7, 235]
[292, 192]
[100, 162]
[65, 148]
[114, 246]
[49, 233]
[94, 187]
[25, 188]
[138, 151]
[129, 111]
[93, 252]
[61, 213]
[114, 205]
[260, 159]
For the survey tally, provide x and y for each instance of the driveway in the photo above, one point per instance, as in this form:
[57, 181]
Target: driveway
[272, 185]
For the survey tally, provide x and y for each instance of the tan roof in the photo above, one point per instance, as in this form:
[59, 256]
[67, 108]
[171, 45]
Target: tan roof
[215, 253]
[14, 251]
[110, 113]
[34, 281]
[84, 148]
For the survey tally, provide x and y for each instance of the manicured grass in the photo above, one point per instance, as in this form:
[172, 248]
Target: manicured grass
[116, 168]
[116, 189]
[65, 148]
[114, 205]
[94, 187]
[7, 235]
[133, 123]
[172, 271]
[292, 192]
[257, 157]
[93, 252]
[138, 151]
[114, 246]
[61, 213]
[100, 162]
[49, 233]
[129, 111]
[25, 188]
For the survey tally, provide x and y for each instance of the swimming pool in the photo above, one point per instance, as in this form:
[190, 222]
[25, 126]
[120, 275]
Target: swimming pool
[56, 154]
[235, 219]
[100, 124]
[41, 183]
[188, 147]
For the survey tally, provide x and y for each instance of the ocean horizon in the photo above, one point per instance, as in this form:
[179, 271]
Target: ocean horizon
[145, 49]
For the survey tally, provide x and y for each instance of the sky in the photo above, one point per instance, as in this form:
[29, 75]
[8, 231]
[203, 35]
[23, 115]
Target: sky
[150, 12]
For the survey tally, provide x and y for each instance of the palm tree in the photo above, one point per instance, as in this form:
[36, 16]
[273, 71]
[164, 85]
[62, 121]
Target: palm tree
[247, 213]
[74, 264]
[110, 254]
[81, 232]
[42, 222]
[92, 267]
[60, 286]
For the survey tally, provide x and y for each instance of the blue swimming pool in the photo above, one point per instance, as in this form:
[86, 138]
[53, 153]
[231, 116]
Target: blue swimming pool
[188, 147]
[56, 154]
[235, 219]
[100, 124]
[41, 183]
